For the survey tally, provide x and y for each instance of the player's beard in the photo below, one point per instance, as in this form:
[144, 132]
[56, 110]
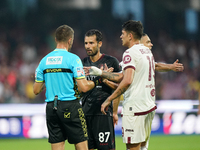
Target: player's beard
[93, 53]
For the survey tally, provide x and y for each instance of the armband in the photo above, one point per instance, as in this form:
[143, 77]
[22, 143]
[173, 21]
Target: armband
[97, 81]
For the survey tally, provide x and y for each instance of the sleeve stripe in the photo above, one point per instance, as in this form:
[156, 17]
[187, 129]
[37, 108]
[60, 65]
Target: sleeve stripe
[38, 81]
[80, 77]
[129, 67]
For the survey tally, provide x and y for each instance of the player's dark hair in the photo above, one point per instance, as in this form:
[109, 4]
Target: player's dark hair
[64, 33]
[144, 34]
[134, 27]
[96, 32]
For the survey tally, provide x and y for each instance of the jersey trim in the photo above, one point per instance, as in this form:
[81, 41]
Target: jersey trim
[143, 113]
[38, 81]
[129, 67]
[53, 70]
[146, 112]
[80, 77]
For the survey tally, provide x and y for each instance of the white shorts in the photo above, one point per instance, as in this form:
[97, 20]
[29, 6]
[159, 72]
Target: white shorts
[136, 129]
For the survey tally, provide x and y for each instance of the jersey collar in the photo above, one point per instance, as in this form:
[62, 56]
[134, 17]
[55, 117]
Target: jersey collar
[59, 49]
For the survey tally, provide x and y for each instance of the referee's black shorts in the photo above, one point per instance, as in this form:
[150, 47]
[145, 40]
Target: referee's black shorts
[100, 132]
[67, 122]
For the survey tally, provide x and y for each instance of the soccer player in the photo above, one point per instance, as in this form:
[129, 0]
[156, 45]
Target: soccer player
[60, 71]
[137, 83]
[177, 67]
[100, 127]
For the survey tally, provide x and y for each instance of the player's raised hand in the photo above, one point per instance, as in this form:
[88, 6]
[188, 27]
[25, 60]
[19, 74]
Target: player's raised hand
[108, 69]
[177, 67]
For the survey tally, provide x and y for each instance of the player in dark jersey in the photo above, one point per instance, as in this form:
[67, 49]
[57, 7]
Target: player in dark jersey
[100, 127]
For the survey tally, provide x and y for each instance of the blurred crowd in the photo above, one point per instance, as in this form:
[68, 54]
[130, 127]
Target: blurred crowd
[21, 51]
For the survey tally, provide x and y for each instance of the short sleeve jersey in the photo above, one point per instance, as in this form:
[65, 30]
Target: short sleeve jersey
[58, 70]
[93, 99]
[140, 96]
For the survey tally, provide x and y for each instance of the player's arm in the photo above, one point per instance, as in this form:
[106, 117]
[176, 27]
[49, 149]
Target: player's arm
[38, 87]
[111, 84]
[85, 85]
[116, 77]
[123, 86]
[115, 110]
[176, 67]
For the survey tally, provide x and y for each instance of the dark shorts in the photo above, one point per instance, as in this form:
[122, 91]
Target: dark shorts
[101, 132]
[68, 122]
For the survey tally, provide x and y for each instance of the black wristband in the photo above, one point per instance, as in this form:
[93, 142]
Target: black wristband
[97, 80]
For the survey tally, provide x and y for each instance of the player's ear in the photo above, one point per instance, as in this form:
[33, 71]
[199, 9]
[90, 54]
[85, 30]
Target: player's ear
[70, 41]
[100, 44]
[130, 35]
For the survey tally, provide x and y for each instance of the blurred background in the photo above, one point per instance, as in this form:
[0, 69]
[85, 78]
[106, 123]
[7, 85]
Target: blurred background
[27, 34]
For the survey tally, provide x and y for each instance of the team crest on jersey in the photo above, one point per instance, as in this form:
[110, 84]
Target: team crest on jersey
[54, 60]
[127, 59]
[78, 61]
[80, 71]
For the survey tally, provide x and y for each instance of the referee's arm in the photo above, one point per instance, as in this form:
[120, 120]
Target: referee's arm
[84, 85]
[38, 87]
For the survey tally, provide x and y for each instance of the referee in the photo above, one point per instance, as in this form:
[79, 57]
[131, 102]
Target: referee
[61, 73]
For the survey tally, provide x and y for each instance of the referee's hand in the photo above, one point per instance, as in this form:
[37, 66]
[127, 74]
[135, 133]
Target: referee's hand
[105, 105]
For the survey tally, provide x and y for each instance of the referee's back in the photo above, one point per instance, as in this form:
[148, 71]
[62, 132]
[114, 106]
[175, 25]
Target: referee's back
[58, 69]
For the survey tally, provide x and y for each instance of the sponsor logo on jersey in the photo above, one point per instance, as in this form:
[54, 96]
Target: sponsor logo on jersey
[35, 74]
[150, 86]
[80, 71]
[129, 130]
[54, 70]
[153, 92]
[67, 115]
[54, 60]
[127, 59]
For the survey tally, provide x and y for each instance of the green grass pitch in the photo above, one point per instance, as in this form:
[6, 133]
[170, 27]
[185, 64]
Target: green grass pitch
[157, 142]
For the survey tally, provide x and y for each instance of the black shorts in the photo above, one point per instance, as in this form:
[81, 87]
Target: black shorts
[68, 122]
[100, 132]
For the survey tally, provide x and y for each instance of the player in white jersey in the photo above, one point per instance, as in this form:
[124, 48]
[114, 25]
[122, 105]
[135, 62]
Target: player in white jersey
[142, 88]
[138, 85]
[139, 98]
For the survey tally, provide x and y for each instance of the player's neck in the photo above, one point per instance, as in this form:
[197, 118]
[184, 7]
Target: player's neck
[95, 57]
[133, 43]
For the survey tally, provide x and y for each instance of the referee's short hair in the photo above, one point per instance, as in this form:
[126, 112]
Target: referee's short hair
[64, 33]
[134, 27]
[96, 32]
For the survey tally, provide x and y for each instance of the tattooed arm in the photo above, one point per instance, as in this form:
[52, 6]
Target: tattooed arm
[115, 77]
[123, 86]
